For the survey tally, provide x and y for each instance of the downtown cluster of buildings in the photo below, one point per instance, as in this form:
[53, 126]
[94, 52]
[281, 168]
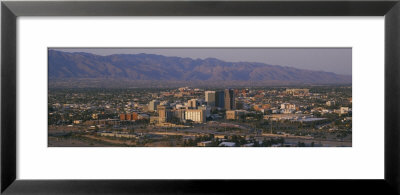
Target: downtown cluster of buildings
[233, 103]
[193, 105]
[194, 110]
[155, 115]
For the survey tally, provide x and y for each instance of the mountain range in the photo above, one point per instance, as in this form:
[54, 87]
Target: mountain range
[67, 66]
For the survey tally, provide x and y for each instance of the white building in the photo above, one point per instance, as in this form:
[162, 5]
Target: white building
[227, 144]
[288, 108]
[196, 115]
[204, 144]
[344, 110]
[330, 103]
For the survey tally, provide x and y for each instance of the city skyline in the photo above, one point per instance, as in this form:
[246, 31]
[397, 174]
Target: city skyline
[319, 116]
[145, 100]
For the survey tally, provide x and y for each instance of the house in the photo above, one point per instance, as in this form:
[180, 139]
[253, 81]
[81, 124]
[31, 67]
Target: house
[227, 144]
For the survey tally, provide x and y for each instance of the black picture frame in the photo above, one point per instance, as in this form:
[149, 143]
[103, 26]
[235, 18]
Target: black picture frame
[11, 10]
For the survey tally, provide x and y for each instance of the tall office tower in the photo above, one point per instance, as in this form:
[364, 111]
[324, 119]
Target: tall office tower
[229, 99]
[153, 105]
[210, 98]
[219, 99]
[193, 103]
[164, 113]
[180, 114]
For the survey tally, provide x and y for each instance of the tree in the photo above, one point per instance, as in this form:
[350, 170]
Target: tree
[301, 144]
[191, 142]
[266, 143]
[256, 143]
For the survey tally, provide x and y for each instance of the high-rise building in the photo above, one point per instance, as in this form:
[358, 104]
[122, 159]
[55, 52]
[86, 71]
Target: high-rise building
[210, 98]
[219, 99]
[164, 113]
[207, 109]
[180, 114]
[193, 103]
[196, 115]
[229, 98]
[153, 105]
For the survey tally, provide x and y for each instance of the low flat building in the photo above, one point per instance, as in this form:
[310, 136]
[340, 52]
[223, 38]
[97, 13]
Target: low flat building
[248, 145]
[285, 116]
[128, 116]
[227, 144]
[77, 122]
[330, 103]
[154, 119]
[234, 114]
[219, 136]
[298, 92]
[344, 110]
[171, 125]
[204, 144]
[103, 122]
[118, 135]
[143, 116]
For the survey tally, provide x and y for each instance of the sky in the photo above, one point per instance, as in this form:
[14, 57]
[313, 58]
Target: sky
[337, 60]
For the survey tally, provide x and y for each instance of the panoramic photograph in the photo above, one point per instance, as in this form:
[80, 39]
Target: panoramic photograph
[199, 97]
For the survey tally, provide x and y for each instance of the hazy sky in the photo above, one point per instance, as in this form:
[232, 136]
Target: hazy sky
[337, 60]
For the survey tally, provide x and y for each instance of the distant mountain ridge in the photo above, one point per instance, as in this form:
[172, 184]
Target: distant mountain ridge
[151, 67]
